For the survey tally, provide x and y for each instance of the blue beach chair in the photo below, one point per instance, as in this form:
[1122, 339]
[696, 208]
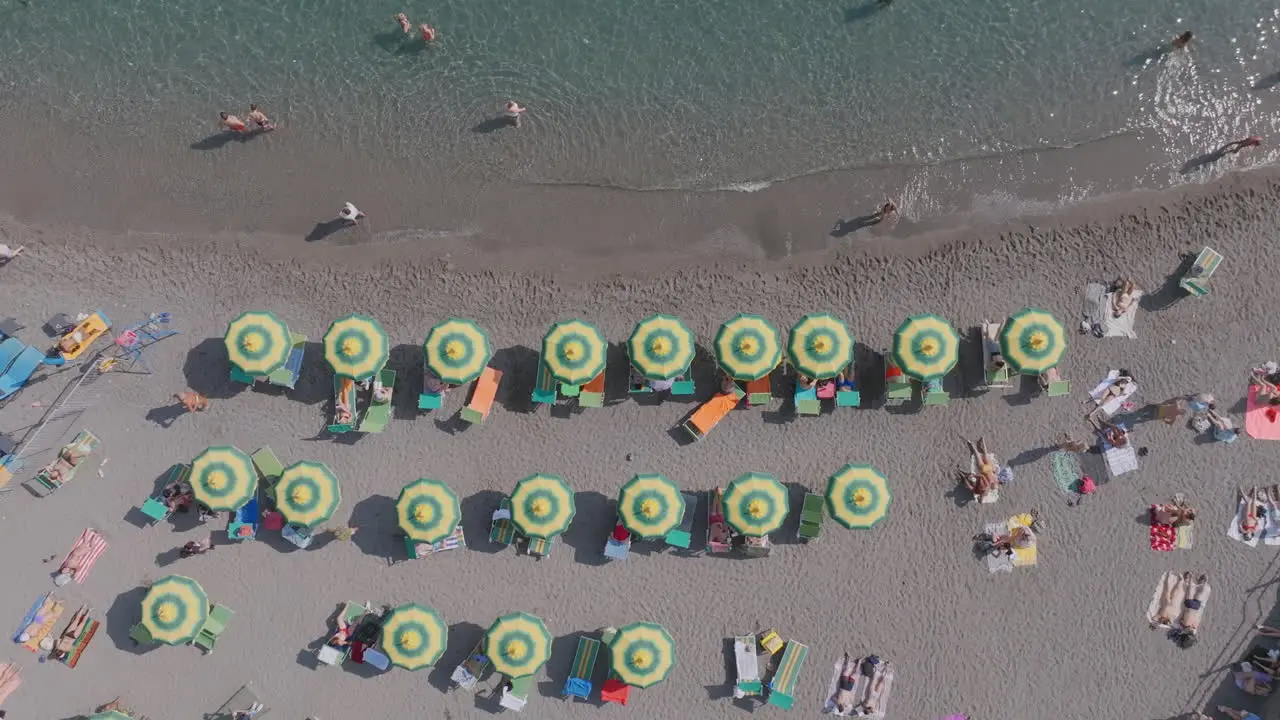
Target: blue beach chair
[20, 371]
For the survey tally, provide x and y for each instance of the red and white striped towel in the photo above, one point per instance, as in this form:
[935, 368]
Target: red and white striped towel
[92, 542]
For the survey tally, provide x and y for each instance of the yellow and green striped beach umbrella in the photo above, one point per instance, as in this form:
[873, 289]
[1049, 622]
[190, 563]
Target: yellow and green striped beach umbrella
[1032, 341]
[258, 343]
[109, 715]
[223, 478]
[820, 346]
[414, 636]
[650, 505]
[642, 654]
[517, 644]
[858, 496]
[661, 347]
[756, 504]
[457, 351]
[574, 351]
[174, 610]
[307, 493]
[542, 506]
[356, 347]
[747, 347]
[428, 510]
[925, 347]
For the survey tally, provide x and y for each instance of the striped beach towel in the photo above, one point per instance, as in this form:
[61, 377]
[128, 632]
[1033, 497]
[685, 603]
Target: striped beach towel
[9, 680]
[1066, 470]
[85, 552]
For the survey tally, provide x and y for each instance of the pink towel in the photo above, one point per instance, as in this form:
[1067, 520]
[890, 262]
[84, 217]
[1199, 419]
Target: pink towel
[91, 545]
[9, 681]
[1258, 418]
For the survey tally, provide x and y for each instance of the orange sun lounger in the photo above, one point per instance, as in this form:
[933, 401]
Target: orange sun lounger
[482, 395]
[711, 413]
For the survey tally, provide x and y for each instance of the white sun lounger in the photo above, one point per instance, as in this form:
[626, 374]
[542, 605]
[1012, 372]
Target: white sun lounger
[748, 663]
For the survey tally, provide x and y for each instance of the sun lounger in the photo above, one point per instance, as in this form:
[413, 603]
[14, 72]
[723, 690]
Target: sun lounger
[1196, 281]
[807, 402]
[811, 515]
[615, 691]
[682, 536]
[584, 662]
[748, 664]
[351, 614]
[990, 339]
[935, 393]
[70, 459]
[419, 550]
[847, 393]
[337, 428]
[214, 626]
[10, 349]
[287, 375]
[83, 335]
[429, 399]
[538, 547]
[244, 522]
[471, 670]
[501, 529]
[1119, 460]
[719, 536]
[592, 394]
[515, 693]
[1053, 384]
[862, 689]
[155, 510]
[379, 412]
[897, 386]
[615, 549]
[268, 465]
[711, 413]
[783, 682]
[483, 393]
[87, 633]
[20, 371]
[544, 392]
[760, 391]
[683, 387]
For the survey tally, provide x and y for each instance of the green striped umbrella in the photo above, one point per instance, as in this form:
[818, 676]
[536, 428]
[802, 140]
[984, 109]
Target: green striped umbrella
[925, 347]
[457, 351]
[542, 506]
[517, 644]
[747, 347]
[258, 343]
[642, 654]
[650, 506]
[414, 636]
[858, 496]
[307, 493]
[756, 504]
[574, 351]
[174, 610]
[223, 478]
[661, 347]
[1032, 341]
[356, 347]
[820, 346]
[428, 510]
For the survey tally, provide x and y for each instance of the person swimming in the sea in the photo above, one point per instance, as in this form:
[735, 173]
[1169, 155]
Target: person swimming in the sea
[405, 25]
[428, 32]
[1181, 41]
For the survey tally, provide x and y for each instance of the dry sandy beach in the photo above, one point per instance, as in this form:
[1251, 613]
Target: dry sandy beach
[1066, 639]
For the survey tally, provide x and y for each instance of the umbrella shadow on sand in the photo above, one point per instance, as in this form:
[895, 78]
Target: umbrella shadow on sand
[207, 370]
[463, 638]
[593, 521]
[477, 516]
[124, 613]
[519, 367]
[376, 518]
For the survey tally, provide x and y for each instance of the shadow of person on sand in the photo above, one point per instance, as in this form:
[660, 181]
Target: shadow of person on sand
[166, 415]
[1201, 161]
[868, 10]
[852, 225]
[217, 140]
[492, 124]
[326, 228]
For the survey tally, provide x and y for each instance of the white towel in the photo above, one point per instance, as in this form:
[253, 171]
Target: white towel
[1271, 526]
[863, 688]
[1119, 326]
[1120, 460]
[1112, 406]
[1154, 606]
[1233, 530]
[830, 706]
[1000, 562]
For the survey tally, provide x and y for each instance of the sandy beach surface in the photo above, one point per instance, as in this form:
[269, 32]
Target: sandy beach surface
[1065, 639]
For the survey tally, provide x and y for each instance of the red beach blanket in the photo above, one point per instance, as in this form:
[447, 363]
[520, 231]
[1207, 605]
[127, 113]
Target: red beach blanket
[1163, 537]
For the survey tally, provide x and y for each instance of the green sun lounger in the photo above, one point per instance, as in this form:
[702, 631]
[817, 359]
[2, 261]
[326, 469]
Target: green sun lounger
[1059, 388]
[140, 635]
[214, 626]
[811, 514]
[682, 536]
[501, 529]
[379, 412]
[544, 392]
[538, 547]
[470, 671]
[269, 466]
[1196, 281]
[338, 428]
[83, 445]
[783, 682]
[286, 376]
[897, 387]
[584, 662]
[515, 693]
[935, 394]
[807, 402]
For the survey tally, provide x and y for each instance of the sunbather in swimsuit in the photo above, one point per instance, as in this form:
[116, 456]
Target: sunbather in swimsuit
[1249, 523]
[76, 559]
[1167, 608]
[47, 607]
[1192, 610]
[844, 382]
[1237, 714]
[871, 706]
[67, 640]
[844, 698]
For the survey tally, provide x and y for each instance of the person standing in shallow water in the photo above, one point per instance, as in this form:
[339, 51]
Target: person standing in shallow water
[513, 112]
[1181, 41]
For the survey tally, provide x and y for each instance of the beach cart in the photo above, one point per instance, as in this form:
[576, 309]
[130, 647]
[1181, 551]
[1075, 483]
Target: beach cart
[925, 349]
[661, 349]
[470, 671]
[70, 459]
[811, 515]
[572, 364]
[747, 661]
[748, 351]
[783, 683]
[682, 536]
[1196, 280]
[261, 348]
[584, 662]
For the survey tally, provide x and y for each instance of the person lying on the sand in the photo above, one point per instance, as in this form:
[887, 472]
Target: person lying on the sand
[1251, 679]
[1266, 378]
[1114, 435]
[987, 478]
[1237, 714]
[844, 697]
[47, 607]
[1167, 608]
[1223, 428]
[67, 640]
[1192, 610]
[1249, 515]
[76, 559]
[1177, 514]
[875, 695]
[1267, 630]
[1122, 297]
[1262, 659]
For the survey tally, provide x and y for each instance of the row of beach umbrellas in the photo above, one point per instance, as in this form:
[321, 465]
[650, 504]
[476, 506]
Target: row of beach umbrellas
[661, 347]
[414, 636]
[650, 505]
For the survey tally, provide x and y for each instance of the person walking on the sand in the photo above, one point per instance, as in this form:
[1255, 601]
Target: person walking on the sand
[887, 211]
[192, 401]
[350, 213]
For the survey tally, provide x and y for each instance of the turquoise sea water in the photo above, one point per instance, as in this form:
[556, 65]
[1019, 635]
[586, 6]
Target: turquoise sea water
[660, 94]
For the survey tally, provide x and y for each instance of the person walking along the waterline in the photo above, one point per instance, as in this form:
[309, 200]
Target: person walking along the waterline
[260, 119]
[350, 213]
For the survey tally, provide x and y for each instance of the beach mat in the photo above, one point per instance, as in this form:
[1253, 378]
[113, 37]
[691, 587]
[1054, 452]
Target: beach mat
[1178, 597]
[863, 687]
[1066, 470]
[1096, 310]
[96, 545]
[46, 627]
[9, 680]
[1256, 422]
[1025, 557]
[1186, 537]
[82, 643]
[1163, 538]
[1233, 530]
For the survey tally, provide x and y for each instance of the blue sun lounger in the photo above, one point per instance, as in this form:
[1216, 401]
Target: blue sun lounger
[10, 349]
[20, 371]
